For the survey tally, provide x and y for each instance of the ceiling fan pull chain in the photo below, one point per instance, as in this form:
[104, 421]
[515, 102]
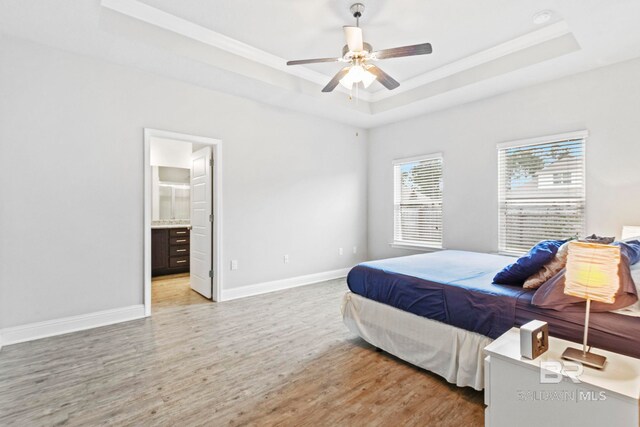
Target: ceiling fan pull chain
[357, 85]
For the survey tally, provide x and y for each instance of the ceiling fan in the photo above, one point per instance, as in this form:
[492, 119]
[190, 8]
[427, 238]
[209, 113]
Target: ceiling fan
[359, 54]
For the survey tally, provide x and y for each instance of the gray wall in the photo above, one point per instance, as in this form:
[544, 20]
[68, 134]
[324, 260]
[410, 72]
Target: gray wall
[604, 101]
[71, 168]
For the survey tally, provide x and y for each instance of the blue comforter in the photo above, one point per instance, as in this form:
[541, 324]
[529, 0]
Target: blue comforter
[454, 287]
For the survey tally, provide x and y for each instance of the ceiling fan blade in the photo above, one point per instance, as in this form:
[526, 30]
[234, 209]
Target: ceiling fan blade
[354, 38]
[384, 78]
[397, 52]
[312, 61]
[335, 80]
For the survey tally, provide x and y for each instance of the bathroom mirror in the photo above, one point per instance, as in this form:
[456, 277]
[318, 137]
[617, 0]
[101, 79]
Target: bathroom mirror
[171, 193]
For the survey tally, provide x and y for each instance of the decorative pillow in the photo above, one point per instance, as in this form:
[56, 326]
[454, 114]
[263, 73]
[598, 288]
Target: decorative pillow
[548, 270]
[551, 295]
[634, 309]
[630, 249]
[525, 266]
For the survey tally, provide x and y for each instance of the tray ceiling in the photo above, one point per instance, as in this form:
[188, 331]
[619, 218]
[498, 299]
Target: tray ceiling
[239, 46]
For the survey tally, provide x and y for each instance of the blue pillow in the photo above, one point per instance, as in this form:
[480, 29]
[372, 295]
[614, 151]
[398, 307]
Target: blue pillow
[531, 263]
[630, 249]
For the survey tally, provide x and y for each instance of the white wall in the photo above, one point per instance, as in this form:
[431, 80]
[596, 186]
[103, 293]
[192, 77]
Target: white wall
[71, 167]
[174, 154]
[604, 101]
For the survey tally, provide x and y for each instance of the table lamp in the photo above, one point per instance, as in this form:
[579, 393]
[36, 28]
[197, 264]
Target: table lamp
[592, 274]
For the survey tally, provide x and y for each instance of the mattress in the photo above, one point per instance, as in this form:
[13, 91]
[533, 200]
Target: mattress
[455, 287]
[609, 331]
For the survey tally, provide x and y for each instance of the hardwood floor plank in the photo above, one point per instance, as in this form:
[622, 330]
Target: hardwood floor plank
[283, 358]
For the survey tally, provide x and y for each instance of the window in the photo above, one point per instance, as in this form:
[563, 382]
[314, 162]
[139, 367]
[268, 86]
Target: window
[417, 201]
[562, 178]
[541, 192]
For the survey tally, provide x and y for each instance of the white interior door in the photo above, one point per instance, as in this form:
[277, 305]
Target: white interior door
[201, 251]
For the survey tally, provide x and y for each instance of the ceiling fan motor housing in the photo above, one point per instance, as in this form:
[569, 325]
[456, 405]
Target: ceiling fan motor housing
[366, 46]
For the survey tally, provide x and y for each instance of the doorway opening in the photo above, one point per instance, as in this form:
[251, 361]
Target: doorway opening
[182, 219]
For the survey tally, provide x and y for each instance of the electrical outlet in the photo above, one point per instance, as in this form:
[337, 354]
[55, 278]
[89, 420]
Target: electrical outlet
[355, 250]
[234, 264]
[340, 251]
[286, 259]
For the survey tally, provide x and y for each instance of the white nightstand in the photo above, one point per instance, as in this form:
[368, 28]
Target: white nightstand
[519, 393]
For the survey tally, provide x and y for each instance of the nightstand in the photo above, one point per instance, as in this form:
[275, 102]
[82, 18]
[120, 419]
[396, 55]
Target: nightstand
[549, 391]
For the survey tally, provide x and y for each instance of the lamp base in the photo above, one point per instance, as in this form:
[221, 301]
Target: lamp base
[588, 359]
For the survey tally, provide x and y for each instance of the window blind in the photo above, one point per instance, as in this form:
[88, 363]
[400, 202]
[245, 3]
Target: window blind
[541, 192]
[418, 201]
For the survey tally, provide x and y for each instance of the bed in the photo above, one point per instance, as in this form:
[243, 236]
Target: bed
[439, 310]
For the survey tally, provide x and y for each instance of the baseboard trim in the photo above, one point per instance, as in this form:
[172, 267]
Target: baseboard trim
[50, 328]
[278, 285]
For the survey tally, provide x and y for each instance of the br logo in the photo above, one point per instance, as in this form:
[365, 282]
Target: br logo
[553, 371]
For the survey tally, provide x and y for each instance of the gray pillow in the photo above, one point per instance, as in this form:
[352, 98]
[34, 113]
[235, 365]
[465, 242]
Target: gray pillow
[598, 239]
[551, 295]
[548, 270]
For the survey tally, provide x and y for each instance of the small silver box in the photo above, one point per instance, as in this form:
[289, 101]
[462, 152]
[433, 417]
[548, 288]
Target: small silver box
[534, 339]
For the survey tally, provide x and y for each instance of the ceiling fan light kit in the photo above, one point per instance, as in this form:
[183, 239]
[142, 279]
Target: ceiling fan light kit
[358, 54]
[357, 74]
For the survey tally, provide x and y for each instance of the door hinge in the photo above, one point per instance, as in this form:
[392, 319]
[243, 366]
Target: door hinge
[211, 162]
[211, 273]
[210, 217]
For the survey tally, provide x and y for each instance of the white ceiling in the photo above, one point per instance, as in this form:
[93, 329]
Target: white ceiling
[481, 48]
[313, 28]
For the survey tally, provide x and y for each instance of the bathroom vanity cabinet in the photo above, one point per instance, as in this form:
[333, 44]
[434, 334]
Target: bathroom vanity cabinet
[169, 250]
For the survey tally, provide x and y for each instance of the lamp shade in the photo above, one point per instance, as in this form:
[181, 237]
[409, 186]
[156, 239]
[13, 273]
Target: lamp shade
[592, 271]
[368, 78]
[357, 74]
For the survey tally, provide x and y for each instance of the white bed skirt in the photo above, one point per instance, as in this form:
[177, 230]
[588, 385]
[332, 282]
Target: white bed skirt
[453, 353]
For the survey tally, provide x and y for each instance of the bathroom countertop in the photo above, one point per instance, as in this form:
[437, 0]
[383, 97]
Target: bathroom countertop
[154, 227]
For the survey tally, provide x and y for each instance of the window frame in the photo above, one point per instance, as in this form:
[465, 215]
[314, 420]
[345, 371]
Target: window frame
[557, 138]
[405, 244]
